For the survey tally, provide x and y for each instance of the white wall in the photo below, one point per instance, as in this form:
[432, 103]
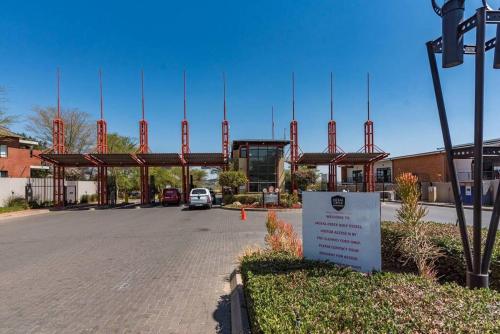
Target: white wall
[13, 186]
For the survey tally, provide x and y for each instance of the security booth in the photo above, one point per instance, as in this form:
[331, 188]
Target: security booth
[262, 161]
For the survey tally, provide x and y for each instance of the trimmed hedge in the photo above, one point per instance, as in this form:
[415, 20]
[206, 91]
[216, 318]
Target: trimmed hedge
[242, 198]
[289, 295]
[450, 267]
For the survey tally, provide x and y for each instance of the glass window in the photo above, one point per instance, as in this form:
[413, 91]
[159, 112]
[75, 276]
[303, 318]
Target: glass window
[243, 152]
[3, 151]
[384, 175]
[4, 173]
[262, 167]
[198, 192]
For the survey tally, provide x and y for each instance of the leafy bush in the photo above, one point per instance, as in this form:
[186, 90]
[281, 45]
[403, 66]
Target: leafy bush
[281, 236]
[288, 200]
[228, 199]
[243, 198]
[415, 244]
[450, 267]
[84, 199]
[232, 179]
[286, 294]
[16, 202]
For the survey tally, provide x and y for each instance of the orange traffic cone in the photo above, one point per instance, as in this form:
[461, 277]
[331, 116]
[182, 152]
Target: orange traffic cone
[243, 214]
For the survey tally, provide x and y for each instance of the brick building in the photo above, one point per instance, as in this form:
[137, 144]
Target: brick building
[16, 156]
[429, 166]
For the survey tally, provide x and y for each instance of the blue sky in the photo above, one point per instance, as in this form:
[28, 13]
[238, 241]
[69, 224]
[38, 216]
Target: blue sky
[258, 44]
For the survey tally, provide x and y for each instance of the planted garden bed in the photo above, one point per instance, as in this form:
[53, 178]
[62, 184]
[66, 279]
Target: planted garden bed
[450, 267]
[286, 294]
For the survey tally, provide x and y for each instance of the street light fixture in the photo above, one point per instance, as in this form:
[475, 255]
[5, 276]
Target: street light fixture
[450, 44]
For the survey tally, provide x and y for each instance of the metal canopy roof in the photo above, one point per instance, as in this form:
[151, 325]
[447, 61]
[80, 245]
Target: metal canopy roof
[160, 159]
[205, 159]
[360, 158]
[68, 160]
[115, 159]
[317, 158]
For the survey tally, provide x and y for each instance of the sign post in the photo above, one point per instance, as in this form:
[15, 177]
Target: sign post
[343, 228]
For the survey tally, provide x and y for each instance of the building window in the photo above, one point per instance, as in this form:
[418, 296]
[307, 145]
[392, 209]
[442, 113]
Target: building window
[262, 168]
[384, 175]
[357, 176]
[243, 152]
[3, 151]
[4, 173]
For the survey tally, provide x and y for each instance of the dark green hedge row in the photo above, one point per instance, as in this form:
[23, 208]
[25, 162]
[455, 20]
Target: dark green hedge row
[242, 198]
[289, 295]
[450, 267]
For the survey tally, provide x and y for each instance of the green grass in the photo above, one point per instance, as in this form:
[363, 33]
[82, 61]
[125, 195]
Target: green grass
[12, 209]
[290, 295]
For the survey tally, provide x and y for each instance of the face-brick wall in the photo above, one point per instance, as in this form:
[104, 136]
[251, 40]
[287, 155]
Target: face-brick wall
[18, 162]
[428, 168]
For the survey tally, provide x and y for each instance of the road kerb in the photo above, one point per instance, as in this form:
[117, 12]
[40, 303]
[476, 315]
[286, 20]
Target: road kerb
[239, 314]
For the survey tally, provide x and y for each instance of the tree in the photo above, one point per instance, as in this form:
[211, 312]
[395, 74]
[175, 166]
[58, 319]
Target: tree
[306, 177]
[166, 177]
[5, 120]
[199, 176]
[232, 179]
[79, 129]
[121, 144]
[127, 179]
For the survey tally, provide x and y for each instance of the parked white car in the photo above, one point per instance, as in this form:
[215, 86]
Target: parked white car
[200, 197]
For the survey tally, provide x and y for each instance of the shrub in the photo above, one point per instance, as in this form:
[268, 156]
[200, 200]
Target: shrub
[228, 199]
[92, 198]
[286, 294]
[415, 245]
[288, 200]
[281, 236]
[232, 179]
[16, 202]
[84, 199]
[450, 267]
[248, 198]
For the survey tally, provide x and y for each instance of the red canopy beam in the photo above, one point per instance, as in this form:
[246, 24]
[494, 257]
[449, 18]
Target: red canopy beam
[332, 143]
[294, 141]
[185, 147]
[225, 129]
[143, 148]
[369, 146]
[102, 147]
[58, 148]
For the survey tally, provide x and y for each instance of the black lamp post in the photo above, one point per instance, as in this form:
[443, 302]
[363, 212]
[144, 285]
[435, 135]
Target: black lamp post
[451, 45]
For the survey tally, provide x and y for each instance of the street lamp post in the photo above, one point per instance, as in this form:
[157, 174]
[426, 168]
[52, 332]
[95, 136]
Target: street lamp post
[452, 47]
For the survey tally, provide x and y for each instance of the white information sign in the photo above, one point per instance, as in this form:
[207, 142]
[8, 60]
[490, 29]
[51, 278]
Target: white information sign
[342, 228]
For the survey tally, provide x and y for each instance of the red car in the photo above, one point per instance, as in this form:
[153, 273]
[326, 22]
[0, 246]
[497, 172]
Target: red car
[171, 196]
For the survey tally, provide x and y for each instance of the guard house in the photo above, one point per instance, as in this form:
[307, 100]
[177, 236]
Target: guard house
[262, 161]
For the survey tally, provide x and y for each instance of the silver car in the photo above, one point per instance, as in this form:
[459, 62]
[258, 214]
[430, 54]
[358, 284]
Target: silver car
[200, 197]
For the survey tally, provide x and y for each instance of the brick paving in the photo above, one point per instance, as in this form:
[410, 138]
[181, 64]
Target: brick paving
[150, 270]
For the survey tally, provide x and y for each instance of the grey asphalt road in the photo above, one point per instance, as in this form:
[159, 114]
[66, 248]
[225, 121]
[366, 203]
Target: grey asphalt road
[436, 213]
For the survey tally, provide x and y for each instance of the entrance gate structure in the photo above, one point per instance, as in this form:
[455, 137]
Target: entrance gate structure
[143, 159]
[334, 156]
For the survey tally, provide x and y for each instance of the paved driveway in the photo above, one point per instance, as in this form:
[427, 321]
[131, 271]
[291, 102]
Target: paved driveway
[158, 270]
[150, 270]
